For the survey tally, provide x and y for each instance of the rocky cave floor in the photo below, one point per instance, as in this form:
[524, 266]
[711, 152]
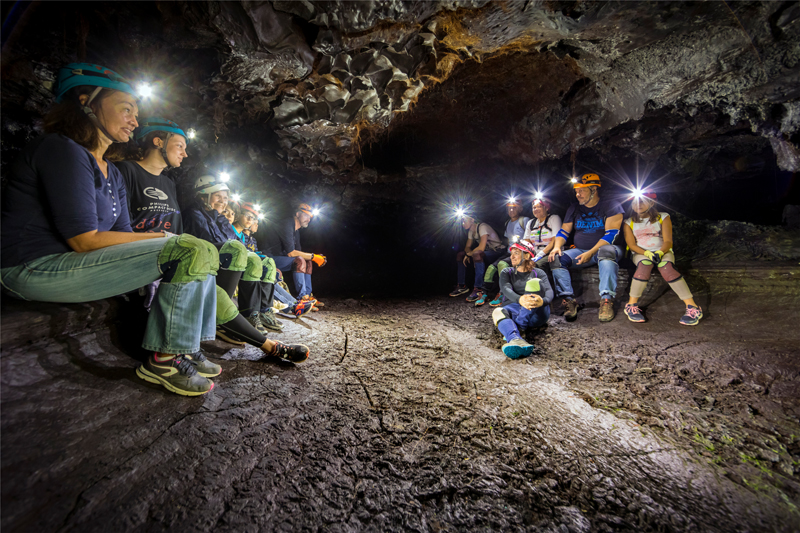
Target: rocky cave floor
[408, 417]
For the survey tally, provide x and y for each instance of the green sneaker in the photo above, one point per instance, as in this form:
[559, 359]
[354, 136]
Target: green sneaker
[517, 348]
[255, 321]
[269, 321]
[176, 374]
[204, 367]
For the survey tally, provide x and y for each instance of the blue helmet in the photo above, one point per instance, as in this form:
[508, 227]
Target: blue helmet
[78, 74]
[152, 124]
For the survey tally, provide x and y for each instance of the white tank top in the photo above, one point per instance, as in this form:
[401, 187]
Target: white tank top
[648, 235]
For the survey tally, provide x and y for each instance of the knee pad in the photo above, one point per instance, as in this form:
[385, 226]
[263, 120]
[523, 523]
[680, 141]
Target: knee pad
[299, 265]
[233, 256]
[643, 270]
[478, 257]
[253, 271]
[270, 271]
[490, 272]
[460, 256]
[668, 271]
[607, 252]
[226, 310]
[186, 258]
[500, 313]
[502, 265]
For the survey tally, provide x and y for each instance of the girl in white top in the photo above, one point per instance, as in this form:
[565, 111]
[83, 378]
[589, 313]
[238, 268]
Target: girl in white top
[542, 229]
[648, 234]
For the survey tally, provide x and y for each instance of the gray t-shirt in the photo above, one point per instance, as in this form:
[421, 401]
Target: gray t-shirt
[516, 228]
[493, 242]
[514, 283]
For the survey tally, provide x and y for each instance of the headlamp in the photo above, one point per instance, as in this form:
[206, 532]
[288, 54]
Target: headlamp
[573, 180]
[460, 212]
[224, 177]
[145, 90]
[515, 239]
[191, 133]
[314, 212]
[236, 197]
[538, 196]
[512, 200]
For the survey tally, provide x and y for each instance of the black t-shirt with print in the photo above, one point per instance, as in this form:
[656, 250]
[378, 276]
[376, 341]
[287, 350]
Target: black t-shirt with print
[590, 222]
[152, 200]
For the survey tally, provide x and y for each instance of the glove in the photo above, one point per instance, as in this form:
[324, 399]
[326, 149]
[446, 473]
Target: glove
[167, 234]
[319, 260]
[655, 257]
[540, 255]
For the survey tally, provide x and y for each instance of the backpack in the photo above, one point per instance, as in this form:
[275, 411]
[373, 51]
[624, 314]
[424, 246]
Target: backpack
[544, 225]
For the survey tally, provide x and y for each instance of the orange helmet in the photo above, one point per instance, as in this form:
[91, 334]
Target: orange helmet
[305, 208]
[588, 180]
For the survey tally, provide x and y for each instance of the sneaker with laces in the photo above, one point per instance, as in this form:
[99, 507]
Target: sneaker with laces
[317, 302]
[459, 290]
[571, 308]
[474, 296]
[269, 321]
[692, 316]
[633, 313]
[277, 304]
[204, 367]
[498, 300]
[255, 321]
[222, 334]
[517, 348]
[606, 312]
[482, 300]
[302, 308]
[176, 374]
[296, 353]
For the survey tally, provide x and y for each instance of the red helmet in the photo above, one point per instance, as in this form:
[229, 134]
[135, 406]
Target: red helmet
[525, 246]
[247, 206]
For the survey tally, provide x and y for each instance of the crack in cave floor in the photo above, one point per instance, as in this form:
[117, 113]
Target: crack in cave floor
[408, 417]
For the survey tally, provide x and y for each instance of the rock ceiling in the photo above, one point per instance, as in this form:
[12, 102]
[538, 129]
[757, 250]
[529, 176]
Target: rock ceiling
[332, 87]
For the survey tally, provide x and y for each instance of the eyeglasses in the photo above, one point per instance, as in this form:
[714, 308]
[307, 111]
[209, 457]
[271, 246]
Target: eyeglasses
[251, 217]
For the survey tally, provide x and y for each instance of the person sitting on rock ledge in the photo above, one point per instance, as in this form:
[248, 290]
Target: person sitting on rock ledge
[596, 223]
[648, 234]
[489, 248]
[515, 229]
[283, 245]
[529, 293]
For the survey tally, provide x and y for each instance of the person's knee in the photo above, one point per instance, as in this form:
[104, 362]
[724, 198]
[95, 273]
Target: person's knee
[478, 257]
[668, 272]
[643, 270]
[254, 270]
[233, 256]
[186, 258]
[299, 265]
[499, 314]
[607, 253]
[460, 256]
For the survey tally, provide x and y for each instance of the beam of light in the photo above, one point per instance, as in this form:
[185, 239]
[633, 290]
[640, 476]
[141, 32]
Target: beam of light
[236, 197]
[573, 180]
[539, 195]
[224, 177]
[191, 133]
[145, 90]
[315, 212]
[512, 200]
[257, 208]
[459, 212]
[260, 216]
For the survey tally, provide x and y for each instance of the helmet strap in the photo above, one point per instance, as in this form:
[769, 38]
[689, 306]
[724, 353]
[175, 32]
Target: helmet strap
[163, 151]
[96, 121]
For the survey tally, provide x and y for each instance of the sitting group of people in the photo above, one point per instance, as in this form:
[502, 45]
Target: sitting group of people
[525, 293]
[77, 227]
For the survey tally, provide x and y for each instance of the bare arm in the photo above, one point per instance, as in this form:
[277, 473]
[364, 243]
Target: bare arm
[666, 233]
[559, 242]
[630, 240]
[482, 246]
[96, 240]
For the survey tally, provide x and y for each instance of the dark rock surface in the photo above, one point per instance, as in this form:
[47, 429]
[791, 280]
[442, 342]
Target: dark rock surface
[407, 416]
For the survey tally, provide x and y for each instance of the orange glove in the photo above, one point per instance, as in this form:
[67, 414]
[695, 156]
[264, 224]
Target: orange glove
[319, 260]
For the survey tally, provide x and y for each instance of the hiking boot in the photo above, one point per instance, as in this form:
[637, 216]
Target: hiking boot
[177, 375]
[269, 321]
[204, 367]
[475, 295]
[255, 321]
[498, 300]
[517, 348]
[482, 300]
[302, 308]
[318, 303]
[222, 334]
[606, 313]
[633, 313]
[692, 316]
[571, 309]
[296, 353]
[459, 290]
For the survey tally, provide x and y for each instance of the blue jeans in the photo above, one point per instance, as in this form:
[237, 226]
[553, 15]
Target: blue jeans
[608, 270]
[302, 281]
[283, 296]
[182, 315]
[487, 256]
[522, 318]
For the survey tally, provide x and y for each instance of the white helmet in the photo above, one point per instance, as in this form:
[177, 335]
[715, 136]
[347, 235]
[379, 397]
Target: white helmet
[208, 184]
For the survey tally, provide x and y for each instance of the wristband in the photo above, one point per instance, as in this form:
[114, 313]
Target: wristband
[563, 234]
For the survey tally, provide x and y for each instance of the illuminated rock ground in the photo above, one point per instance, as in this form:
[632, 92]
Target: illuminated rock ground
[408, 417]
